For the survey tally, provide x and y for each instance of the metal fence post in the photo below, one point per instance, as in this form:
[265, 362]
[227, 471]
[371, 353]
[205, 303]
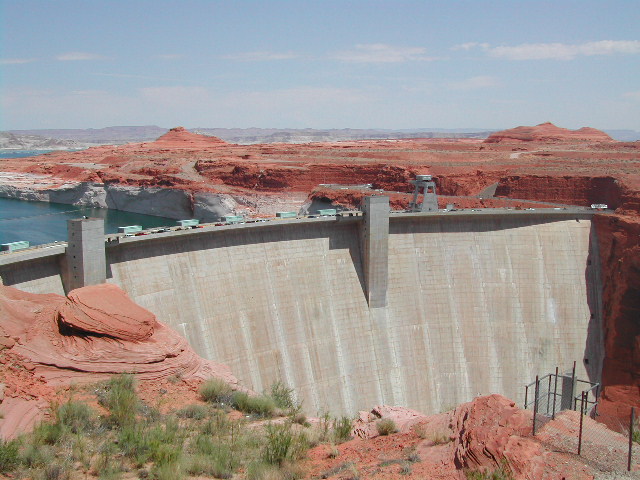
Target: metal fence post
[581, 419]
[548, 395]
[632, 421]
[555, 394]
[573, 386]
[535, 405]
[526, 395]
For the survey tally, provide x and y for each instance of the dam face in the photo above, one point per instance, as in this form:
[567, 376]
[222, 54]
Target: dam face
[475, 304]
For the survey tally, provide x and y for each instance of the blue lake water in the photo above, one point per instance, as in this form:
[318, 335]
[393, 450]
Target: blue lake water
[42, 222]
[21, 153]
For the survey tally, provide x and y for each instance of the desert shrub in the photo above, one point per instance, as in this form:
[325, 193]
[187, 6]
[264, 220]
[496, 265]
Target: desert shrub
[266, 471]
[107, 462]
[333, 452]
[212, 458]
[81, 449]
[342, 429]
[120, 398]
[279, 439]
[9, 455]
[260, 405]
[283, 397]
[386, 426]
[49, 433]
[35, 455]
[167, 471]
[218, 425]
[215, 390]
[56, 471]
[421, 431]
[503, 472]
[165, 454]
[413, 457]
[143, 443]
[282, 444]
[299, 418]
[76, 416]
[439, 438]
[195, 411]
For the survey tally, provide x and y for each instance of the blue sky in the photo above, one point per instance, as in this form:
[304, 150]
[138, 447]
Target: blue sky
[319, 64]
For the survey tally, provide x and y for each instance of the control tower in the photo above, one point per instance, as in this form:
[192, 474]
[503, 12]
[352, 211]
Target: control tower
[424, 184]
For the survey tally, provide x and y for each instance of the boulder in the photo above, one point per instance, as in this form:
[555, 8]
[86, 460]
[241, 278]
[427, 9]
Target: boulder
[106, 310]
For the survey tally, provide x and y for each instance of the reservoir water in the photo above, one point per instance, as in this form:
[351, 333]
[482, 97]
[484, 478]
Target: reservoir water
[43, 222]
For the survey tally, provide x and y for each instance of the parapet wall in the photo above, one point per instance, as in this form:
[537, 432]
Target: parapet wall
[475, 304]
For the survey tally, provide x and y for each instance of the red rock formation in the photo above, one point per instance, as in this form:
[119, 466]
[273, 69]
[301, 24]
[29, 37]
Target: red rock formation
[180, 137]
[491, 432]
[484, 435]
[619, 238]
[106, 310]
[103, 333]
[548, 132]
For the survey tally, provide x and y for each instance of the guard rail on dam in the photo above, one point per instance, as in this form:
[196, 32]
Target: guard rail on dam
[424, 310]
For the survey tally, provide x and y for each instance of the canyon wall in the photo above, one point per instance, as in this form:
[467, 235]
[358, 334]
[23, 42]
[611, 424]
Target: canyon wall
[477, 304]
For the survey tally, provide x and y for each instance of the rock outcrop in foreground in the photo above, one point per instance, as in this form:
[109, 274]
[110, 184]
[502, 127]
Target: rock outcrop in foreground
[486, 435]
[548, 132]
[51, 341]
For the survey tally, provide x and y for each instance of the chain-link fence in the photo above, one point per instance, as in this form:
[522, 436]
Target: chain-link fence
[566, 419]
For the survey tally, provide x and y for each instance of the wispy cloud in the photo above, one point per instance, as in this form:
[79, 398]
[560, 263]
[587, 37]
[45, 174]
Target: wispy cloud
[16, 61]
[260, 56]
[563, 51]
[382, 53]
[78, 56]
[475, 83]
[469, 46]
[632, 95]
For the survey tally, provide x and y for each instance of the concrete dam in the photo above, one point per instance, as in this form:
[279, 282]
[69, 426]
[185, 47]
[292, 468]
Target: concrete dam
[424, 310]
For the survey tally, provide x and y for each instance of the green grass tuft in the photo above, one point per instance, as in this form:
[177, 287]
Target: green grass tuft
[386, 426]
[215, 390]
[78, 417]
[9, 455]
[283, 397]
[260, 405]
[120, 398]
[195, 411]
[342, 429]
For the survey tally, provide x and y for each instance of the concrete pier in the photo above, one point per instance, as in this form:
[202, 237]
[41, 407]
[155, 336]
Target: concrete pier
[85, 258]
[375, 249]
